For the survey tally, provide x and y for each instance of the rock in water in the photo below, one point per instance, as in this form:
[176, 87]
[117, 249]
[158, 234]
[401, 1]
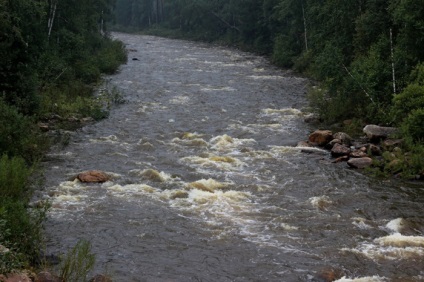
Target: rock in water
[321, 137]
[93, 176]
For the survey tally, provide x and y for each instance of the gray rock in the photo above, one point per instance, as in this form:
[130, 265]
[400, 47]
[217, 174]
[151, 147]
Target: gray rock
[343, 137]
[375, 132]
[360, 162]
[340, 150]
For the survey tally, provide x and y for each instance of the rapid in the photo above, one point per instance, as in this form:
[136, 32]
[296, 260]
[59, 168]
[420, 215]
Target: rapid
[208, 184]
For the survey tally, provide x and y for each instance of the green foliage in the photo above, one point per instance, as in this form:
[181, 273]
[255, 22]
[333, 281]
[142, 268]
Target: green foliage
[283, 55]
[77, 263]
[20, 227]
[18, 134]
[111, 56]
[411, 98]
[413, 125]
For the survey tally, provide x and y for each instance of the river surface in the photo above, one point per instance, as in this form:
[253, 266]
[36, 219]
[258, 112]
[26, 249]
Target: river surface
[208, 184]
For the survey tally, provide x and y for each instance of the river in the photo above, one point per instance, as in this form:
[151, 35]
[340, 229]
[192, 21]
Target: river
[208, 184]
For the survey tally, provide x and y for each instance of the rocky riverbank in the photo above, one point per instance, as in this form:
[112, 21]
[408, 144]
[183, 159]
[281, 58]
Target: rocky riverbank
[376, 149]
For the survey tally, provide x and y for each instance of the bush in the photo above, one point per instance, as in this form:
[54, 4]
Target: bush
[13, 178]
[411, 98]
[77, 263]
[413, 125]
[20, 227]
[19, 136]
[111, 56]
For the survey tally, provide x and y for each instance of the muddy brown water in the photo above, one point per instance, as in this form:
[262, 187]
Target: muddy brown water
[207, 184]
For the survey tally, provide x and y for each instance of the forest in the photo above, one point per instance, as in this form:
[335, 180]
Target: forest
[52, 55]
[365, 55]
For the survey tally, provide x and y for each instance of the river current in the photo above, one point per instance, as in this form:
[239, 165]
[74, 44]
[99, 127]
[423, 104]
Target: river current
[208, 184]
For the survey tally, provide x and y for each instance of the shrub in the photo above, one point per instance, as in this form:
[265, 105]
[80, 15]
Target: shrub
[19, 136]
[77, 263]
[413, 125]
[411, 98]
[20, 227]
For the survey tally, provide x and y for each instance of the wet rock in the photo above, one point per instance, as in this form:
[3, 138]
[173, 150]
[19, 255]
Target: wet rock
[375, 132]
[328, 275]
[46, 276]
[360, 162]
[343, 137]
[101, 278]
[93, 176]
[303, 144]
[339, 150]
[358, 153]
[341, 159]
[321, 137]
[332, 143]
[15, 277]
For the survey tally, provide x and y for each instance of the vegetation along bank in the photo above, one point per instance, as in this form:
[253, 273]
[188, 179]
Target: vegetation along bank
[52, 55]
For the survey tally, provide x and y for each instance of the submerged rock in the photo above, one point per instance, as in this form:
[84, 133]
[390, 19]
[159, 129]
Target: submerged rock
[93, 176]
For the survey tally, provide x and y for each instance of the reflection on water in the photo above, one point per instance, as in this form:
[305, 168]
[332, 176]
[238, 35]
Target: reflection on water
[207, 184]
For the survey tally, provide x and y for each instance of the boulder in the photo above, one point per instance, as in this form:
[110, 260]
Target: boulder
[375, 132]
[93, 176]
[321, 137]
[46, 276]
[344, 138]
[360, 162]
[340, 150]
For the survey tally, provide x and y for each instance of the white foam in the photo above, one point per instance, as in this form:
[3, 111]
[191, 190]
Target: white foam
[363, 279]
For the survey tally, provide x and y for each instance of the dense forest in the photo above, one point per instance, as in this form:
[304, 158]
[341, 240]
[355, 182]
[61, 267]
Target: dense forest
[366, 55]
[52, 54]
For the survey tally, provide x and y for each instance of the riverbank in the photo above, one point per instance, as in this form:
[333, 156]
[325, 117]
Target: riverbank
[26, 135]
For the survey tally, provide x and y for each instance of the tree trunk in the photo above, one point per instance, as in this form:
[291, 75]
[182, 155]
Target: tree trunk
[52, 13]
[393, 62]
[304, 26]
